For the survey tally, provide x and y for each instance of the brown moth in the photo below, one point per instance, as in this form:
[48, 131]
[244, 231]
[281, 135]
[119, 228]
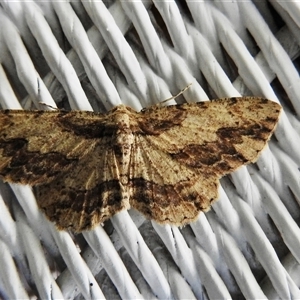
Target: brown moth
[165, 162]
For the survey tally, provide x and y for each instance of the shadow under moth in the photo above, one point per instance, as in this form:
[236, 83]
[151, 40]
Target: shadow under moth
[165, 162]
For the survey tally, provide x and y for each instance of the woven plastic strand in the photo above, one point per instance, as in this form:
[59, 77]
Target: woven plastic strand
[7, 94]
[81, 273]
[178, 33]
[288, 228]
[126, 94]
[186, 262]
[98, 43]
[237, 263]
[204, 22]
[293, 8]
[269, 168]
[207, 240]
[277, 58]
[118, 46]
[287, 137]
[223, 208]
[263, 248]
[290, 173]
[183, 77]
[104, 249]
[236, 49]
[9, 276]
[65, 279]
[181, 254]
[231, 11]
[248, 190]
[156, 55]
[291, 25]
[206, 237]
[8, 232]
[93, 66]
[25, 68]
[209, 66]
[211, 280]
[250, 193]
[292, 267]
[68, 285]
[35, 217]
[180, 288]
[55, 57]
[291, 46]
[41, 274]
[141, 255]
[158, 89]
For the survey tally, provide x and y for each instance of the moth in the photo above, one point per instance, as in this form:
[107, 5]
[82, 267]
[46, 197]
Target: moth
[165, 162]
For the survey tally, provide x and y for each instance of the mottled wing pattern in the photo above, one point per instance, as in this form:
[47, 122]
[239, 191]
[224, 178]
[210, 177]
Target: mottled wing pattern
[165, 161]
[89, 194]
[166, 190]
[36, 146]
[69, 158]
[187, 148]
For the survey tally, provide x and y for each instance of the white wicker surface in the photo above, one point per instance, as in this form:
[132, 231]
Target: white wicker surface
[93, 56]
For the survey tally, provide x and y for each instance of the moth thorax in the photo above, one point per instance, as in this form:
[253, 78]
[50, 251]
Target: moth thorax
[123, 140]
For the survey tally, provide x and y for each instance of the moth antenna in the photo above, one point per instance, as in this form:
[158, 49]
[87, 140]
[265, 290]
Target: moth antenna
[180, 93]
[173, 97]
